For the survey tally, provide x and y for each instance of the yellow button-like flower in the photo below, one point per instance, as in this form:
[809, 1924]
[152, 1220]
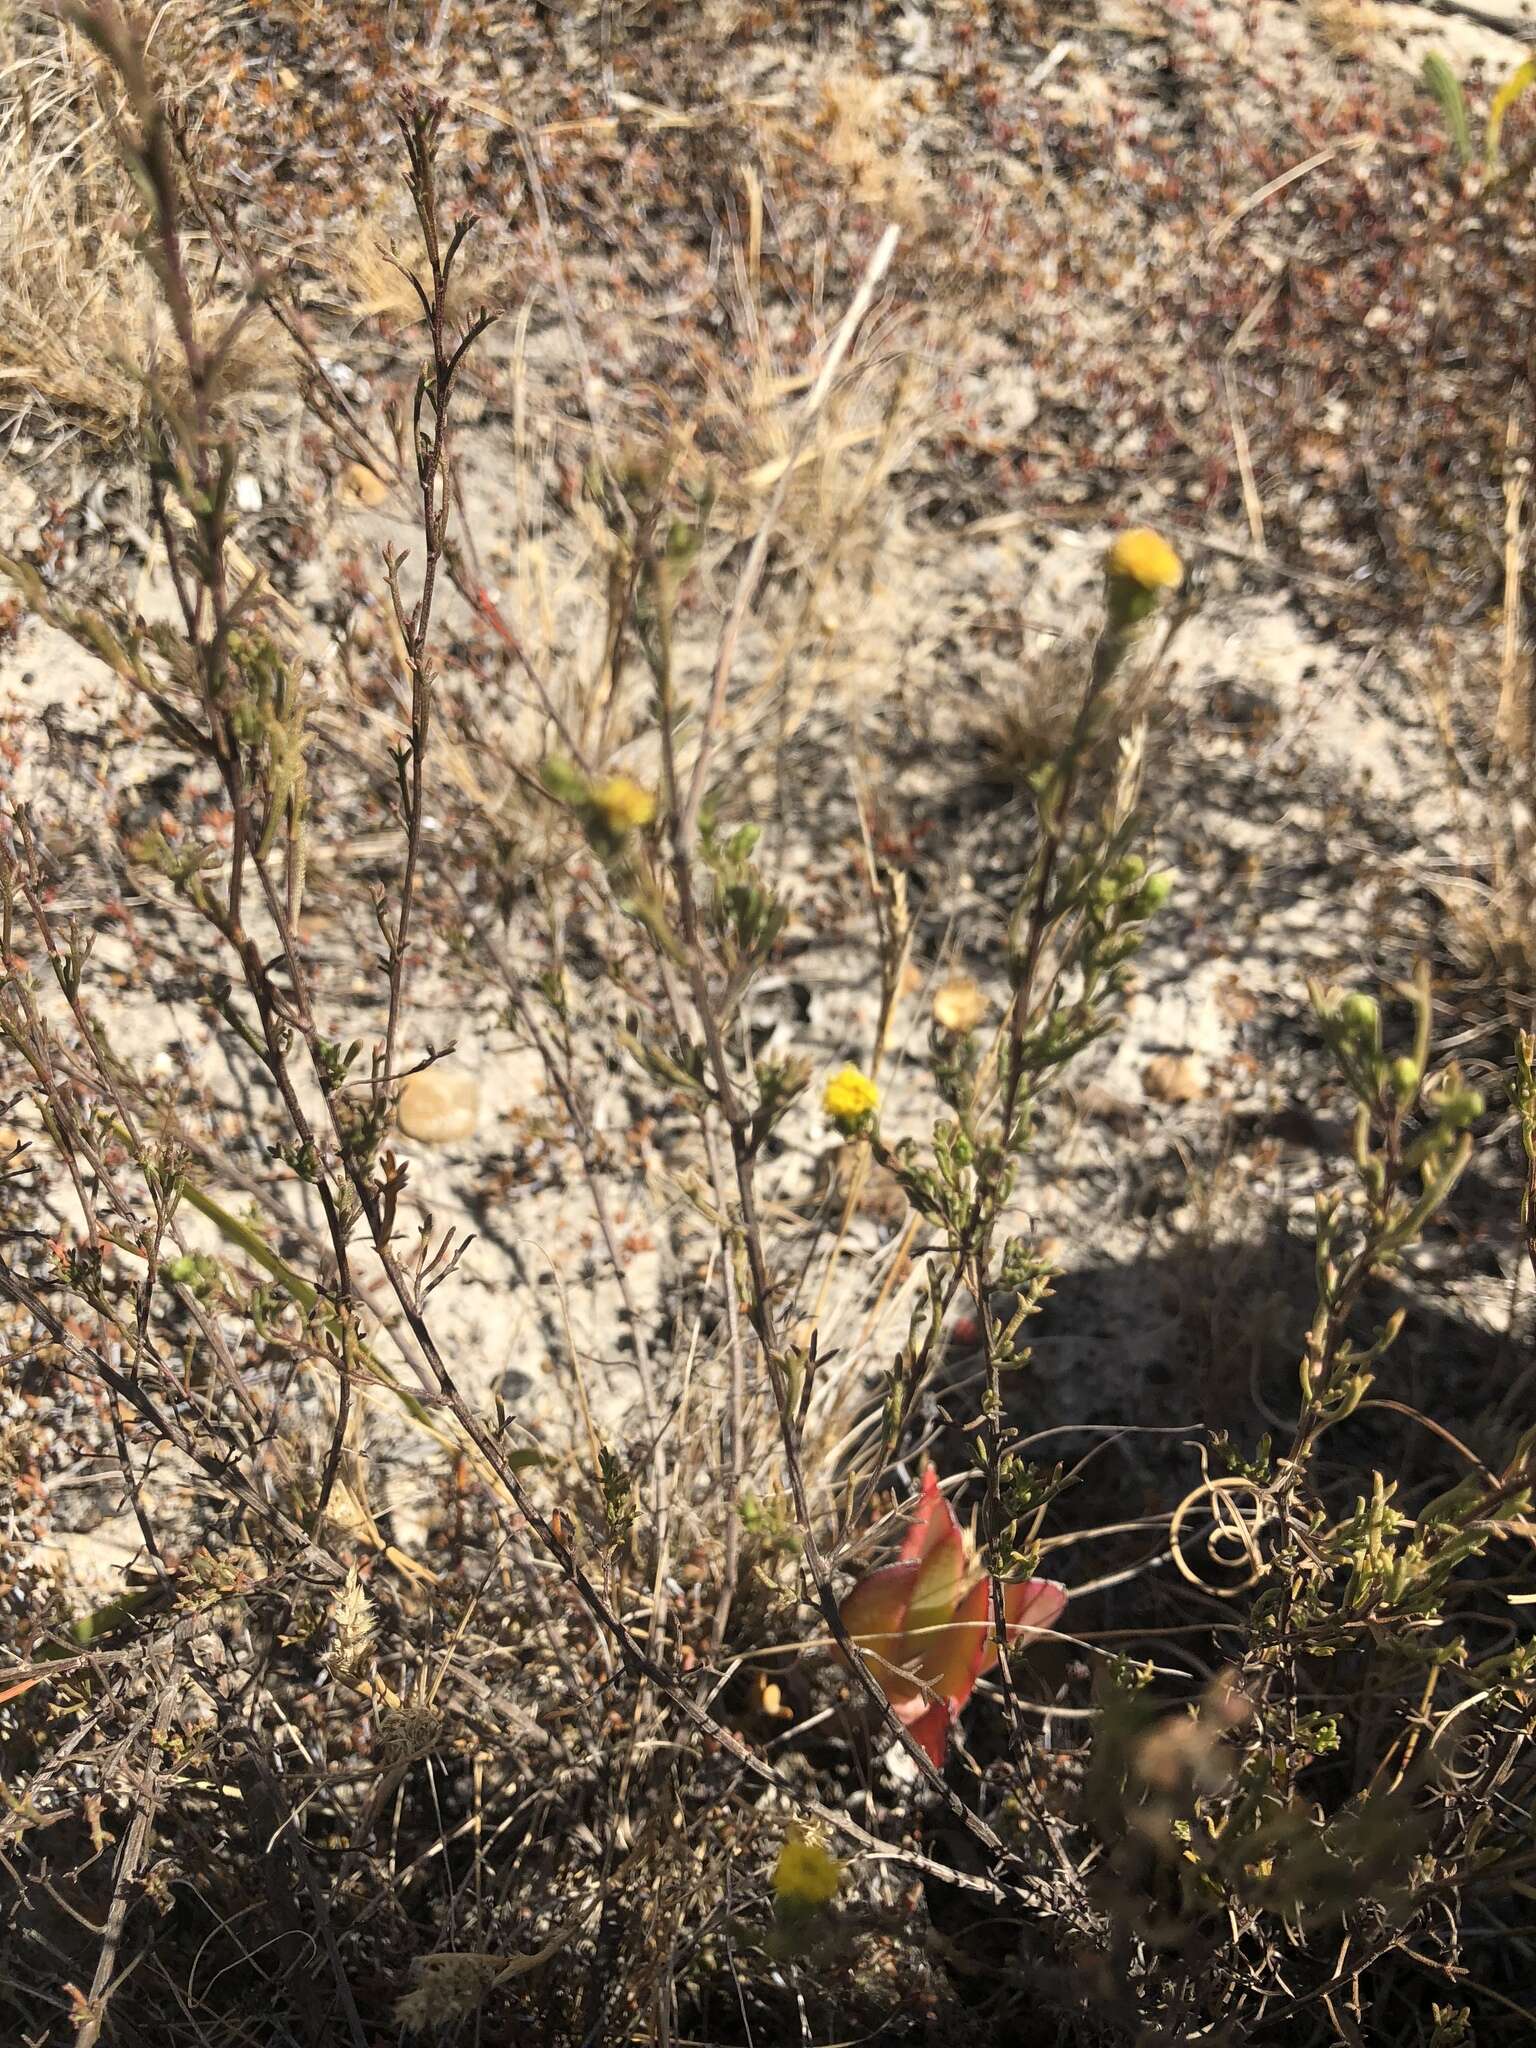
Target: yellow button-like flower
[849, 1097]
[806, 1875]
[1144, 558]
[622, 804]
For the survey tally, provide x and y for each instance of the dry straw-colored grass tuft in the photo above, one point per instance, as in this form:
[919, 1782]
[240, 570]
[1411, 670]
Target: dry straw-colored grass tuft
[1350, 28]
[80, 325]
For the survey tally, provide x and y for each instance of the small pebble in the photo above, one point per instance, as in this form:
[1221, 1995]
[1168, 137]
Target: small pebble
[361, 486]
[439, 1106]
[1173, 1077]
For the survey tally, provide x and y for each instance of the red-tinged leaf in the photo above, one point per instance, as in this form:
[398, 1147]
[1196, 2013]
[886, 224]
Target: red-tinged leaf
[878, 1604]
[875, 1613]
[932, 1521]
[931, 1732]
[1033, 1604]
[936, 1591]
[949, 1660]
[1030, 1605]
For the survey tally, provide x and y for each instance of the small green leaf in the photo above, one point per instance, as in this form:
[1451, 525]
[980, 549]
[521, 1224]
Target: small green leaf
[1446, 87]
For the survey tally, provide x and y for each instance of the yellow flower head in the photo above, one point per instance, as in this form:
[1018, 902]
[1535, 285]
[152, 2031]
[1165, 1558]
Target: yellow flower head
[622, 804]
[1144, 558]
[806, 1875]
[849, 1097]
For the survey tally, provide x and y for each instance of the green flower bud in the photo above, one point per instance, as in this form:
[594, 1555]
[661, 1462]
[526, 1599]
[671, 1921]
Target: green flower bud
[1459, 1107]
[1361, 1016]
[1403, 1077]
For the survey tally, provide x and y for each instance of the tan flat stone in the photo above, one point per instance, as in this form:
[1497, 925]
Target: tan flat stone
[439, 1106]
